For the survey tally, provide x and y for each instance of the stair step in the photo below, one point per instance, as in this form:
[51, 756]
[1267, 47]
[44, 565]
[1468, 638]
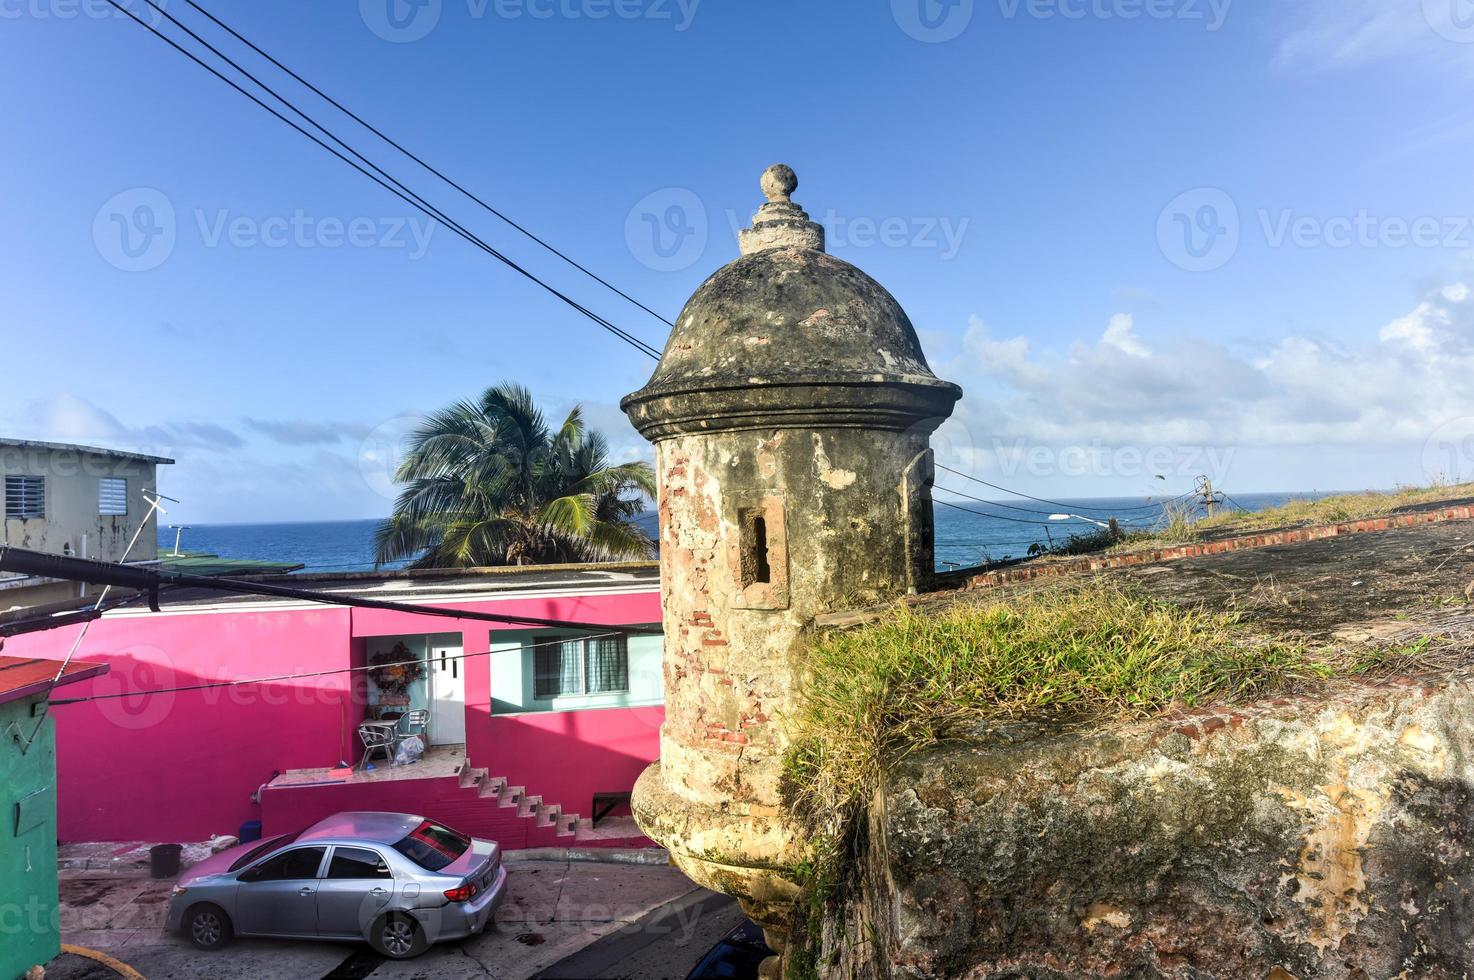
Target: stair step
[472, 777]
[510, 795]
[610, 828]
[565, 824]
[491, 786]
[528, 805]
[547, 814]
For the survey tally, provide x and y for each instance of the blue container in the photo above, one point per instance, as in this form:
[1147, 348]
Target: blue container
[250, 830]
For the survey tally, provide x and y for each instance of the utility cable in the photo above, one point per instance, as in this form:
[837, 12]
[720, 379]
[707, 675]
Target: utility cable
[1058, 503]
[316, 673]
[406, 196]
[398, 146]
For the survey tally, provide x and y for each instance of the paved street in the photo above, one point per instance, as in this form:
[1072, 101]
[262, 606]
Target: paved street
[653, 917]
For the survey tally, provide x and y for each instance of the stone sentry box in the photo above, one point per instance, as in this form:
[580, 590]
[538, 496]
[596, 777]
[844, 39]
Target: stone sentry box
[791, 413]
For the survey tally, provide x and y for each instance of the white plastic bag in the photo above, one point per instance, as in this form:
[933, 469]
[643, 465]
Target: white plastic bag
[409, 750]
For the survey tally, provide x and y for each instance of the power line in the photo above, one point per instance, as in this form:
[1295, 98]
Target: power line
[1058, 503]
[316, 673]
[1026, 510]
[995, 517]
[995, 503]
[387, 139]
[418, 201]
[404, 194]
[149, 580]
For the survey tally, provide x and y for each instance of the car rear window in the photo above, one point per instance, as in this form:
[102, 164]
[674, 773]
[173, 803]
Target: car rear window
[433, 846]
[270, 844]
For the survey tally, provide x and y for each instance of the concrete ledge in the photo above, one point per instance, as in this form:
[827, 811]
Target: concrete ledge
[130, 857]
[655, 856]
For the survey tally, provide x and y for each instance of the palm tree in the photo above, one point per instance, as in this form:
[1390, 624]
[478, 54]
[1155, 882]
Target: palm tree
[487, 483]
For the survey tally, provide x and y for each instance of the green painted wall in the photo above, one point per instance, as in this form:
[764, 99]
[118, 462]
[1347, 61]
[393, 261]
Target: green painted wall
[28, 912]
[512, 676]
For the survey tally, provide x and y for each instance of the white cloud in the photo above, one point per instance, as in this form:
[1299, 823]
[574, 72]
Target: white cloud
[1312, 397]
[307, 432]
[1119, 335]
[1419, 329]
[1350, 33]
[68, 418]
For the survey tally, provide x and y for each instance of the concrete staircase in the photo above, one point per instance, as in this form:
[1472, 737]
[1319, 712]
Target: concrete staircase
[543, 815]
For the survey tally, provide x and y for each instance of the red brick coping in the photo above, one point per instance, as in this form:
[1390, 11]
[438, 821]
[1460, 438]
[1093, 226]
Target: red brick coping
[1028, 572]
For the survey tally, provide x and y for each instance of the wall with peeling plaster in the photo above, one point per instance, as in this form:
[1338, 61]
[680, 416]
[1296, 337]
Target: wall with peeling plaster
[842, 540]
[1315, 837]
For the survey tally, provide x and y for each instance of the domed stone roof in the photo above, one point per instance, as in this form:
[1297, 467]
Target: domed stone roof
[789, 335]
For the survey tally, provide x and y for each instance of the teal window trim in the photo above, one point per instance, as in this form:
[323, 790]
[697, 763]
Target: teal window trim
[613, 663]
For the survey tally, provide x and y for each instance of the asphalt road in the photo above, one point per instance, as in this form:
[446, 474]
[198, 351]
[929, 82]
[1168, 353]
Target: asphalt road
[553, 910]
[663, 945]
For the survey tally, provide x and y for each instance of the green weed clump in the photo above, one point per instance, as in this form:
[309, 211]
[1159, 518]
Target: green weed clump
[1091, 652]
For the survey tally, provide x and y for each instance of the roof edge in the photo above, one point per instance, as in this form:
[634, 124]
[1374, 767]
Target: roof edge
[75, 671]
[84, 450]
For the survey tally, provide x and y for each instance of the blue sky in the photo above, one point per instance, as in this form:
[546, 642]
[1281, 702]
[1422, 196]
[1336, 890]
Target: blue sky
[1024, 176]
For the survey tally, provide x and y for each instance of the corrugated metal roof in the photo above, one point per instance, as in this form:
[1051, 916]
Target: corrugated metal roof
[23, 677]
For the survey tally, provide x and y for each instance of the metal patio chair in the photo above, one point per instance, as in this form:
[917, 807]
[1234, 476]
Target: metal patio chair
[376, 736]
[413, 722]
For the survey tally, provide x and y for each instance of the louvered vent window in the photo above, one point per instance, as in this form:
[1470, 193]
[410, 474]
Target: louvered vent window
[112, 496]
[25, 497]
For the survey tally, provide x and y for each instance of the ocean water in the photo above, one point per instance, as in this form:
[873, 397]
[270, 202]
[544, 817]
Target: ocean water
[964, 538]
[323, 546]
[968, 538]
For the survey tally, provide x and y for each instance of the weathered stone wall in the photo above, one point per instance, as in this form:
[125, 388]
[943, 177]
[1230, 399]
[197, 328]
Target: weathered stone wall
[834, 520]
[1303, 838]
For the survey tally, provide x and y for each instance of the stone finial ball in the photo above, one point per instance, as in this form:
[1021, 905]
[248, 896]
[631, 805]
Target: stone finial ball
[779, 183]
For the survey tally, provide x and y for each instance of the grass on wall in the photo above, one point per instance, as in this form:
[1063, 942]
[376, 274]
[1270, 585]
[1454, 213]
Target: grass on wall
[1092, 651]
[1180, 528]
[1334, 510]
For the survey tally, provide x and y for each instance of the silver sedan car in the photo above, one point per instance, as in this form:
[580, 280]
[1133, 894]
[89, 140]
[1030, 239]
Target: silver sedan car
[400, 882]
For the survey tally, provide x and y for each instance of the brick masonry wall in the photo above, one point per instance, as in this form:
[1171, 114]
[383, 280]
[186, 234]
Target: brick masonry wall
[1030, 572]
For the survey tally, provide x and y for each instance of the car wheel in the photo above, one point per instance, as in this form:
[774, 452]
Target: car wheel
[398, 936]
[208, 927]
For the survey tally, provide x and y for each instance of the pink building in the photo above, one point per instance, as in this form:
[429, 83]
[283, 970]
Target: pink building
[526, 725]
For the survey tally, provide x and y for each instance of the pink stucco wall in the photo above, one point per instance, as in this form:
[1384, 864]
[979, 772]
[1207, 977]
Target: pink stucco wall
[183, 766]
[563, 757]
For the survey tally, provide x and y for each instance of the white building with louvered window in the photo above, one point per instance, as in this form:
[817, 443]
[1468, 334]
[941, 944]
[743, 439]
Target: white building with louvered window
[73, 500]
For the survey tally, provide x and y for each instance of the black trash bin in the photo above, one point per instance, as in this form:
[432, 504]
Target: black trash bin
[163, 860]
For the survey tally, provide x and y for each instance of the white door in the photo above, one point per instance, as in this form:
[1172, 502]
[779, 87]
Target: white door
[447, 695]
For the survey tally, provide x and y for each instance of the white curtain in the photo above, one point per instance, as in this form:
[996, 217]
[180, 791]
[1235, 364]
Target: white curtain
[608, 668]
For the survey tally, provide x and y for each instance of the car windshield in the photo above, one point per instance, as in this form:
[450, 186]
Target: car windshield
[262, 848]
[433, 846]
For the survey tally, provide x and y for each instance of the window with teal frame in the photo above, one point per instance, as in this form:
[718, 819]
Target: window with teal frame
[580, 666]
